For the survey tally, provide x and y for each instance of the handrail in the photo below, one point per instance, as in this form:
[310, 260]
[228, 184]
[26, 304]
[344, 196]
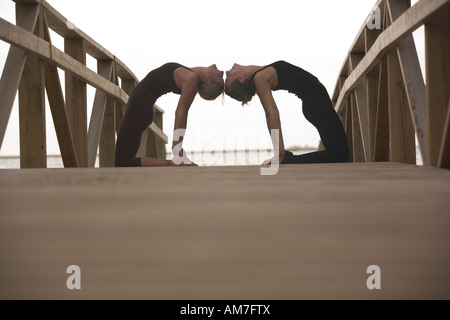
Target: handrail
[31, 48]
[380, 92]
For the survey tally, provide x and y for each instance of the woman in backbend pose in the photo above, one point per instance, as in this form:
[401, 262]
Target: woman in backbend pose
[170, 77]
[242, 82]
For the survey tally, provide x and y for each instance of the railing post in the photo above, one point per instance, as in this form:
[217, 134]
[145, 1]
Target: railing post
[78, 146]
[107, 137]
[105, 69]
[26, 18]
[347, 121]
[76, 100]
[381, 144]
[402, 147]
[358, 146]
[382, 135]
[33, 150]
[361, 103]
[437, 53]
[150, 145]
[444, 154]
[57, 105]
[107, 143]
[370, 35]
[412, 77]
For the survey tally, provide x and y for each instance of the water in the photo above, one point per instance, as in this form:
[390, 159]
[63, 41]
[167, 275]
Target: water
[202, 158]
[13, 162]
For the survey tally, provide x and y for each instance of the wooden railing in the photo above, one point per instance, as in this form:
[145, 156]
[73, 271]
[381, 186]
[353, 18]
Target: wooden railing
[32, 68]
[385, 103]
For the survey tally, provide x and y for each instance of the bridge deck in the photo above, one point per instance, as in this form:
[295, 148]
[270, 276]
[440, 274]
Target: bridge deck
[309, 232]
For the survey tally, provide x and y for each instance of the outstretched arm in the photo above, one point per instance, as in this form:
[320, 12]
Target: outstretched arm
[264, 91]
[188, 82]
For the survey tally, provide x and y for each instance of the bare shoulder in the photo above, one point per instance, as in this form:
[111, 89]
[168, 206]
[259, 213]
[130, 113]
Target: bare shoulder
[183, 75]
[266, 78]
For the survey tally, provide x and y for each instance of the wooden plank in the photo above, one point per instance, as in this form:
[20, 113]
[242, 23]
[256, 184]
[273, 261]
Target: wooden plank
[343, 117]
[159, 132]
[162, 153]
[372, 90]
[23, 39]
[76, 103]
[28, 42]
[58, 23]
[344, 68]
[123, 71]
[32, 130]
[66, 29]
[339, 84]
[18, 37]
[83, 73]
[28, 1]
[60, 121]
[404, 25]
[381, 143]
[145, 234]
[108, 135]
[402, 147]
[415, 91]
[107, 145]
[372, 102]
[370, 36]
[362, 108]
[412, 77]
[444, 154]
[159, 115]
[105, 69]
[358, 148]
[349, 128]
[58, 109]
[26, 18]
[152, 141]
[141, 153]
[151, 145]
[437, 65]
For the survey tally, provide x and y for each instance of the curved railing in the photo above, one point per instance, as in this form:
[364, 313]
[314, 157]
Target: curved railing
[385, 103]
[32, 68]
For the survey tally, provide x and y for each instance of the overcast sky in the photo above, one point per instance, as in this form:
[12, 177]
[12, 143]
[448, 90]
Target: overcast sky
[144, 34]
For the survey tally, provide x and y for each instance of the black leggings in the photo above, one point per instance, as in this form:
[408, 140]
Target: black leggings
[318, 109]
[135, 121]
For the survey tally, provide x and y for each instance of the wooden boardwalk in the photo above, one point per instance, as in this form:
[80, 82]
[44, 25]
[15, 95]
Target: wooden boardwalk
[308, 232]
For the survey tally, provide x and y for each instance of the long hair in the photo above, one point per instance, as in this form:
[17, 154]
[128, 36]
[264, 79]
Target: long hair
[241, 91]
[210, 91]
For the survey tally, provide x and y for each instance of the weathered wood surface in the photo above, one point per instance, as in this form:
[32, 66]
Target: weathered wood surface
[33, 61]
[308, 232]
[415, 112]
[400, 28]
